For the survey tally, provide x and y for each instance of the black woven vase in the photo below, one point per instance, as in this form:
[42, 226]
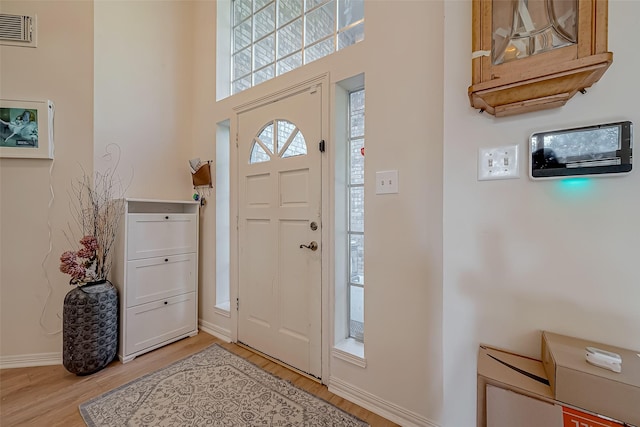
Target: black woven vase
[90, 327]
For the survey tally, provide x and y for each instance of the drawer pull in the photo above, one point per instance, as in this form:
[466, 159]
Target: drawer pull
[166, 217]
[166, 260]
[165, 303]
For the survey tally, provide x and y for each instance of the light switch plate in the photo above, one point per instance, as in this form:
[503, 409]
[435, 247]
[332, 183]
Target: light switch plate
[386, 182]
[498, 163]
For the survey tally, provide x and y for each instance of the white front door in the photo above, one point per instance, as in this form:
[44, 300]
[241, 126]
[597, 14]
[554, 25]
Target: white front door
[279, 229]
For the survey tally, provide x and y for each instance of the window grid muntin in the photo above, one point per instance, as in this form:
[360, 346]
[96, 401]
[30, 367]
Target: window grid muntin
[353, 183]
[268, 141]
[237, 84]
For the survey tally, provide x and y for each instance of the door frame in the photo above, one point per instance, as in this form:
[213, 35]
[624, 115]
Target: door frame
[320, 83]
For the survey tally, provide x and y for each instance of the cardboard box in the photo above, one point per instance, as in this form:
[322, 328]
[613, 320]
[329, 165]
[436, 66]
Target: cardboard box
[506, 408]
[575, 418]
[522, 375]
[598, 390]
[513, 392]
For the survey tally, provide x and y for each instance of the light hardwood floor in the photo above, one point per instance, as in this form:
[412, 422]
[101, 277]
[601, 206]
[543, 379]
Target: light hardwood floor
[50, 395]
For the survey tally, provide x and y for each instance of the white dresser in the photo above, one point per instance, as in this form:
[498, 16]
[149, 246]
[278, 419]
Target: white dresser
[155, 268]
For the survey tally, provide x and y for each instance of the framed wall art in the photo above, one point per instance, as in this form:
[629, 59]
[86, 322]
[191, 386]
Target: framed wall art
[26, 129]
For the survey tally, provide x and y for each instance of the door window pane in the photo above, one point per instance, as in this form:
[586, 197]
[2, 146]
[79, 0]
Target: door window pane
[285, 129]
[266, 136]
[258, 154]
[289, 142]
[297, 147]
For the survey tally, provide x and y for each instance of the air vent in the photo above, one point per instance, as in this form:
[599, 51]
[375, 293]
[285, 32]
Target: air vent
[17, 30]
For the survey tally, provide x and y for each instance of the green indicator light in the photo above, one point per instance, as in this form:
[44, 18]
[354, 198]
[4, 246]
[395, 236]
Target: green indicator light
[575, 185]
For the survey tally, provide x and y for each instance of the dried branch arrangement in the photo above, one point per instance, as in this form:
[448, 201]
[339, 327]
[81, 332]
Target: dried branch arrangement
[96, 206]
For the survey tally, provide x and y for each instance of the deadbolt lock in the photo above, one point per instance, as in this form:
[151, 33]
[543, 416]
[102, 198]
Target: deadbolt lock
[313, 226]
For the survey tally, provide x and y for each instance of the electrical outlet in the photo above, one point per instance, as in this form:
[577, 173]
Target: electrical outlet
[387, 182]
[498, 163]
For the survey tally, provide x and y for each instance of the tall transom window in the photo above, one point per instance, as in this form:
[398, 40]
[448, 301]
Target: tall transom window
[271, 37]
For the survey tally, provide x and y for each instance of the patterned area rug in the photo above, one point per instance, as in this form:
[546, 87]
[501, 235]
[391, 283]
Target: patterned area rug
[213, 387]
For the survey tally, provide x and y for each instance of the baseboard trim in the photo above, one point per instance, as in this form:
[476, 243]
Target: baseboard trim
[30, 360]
[48, 359]
[373, 403]
[216, 331]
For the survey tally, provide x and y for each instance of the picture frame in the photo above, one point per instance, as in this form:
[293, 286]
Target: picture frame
[26, 129]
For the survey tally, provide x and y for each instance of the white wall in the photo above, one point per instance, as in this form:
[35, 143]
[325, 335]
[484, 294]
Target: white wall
[143, 94]
[401, 58]
[203, 146]
[143, 85]
[451, 262]
[59, 69]
[523, 256]
[403, 232]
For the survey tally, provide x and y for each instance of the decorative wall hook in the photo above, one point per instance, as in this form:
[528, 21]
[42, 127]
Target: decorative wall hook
[202, 176]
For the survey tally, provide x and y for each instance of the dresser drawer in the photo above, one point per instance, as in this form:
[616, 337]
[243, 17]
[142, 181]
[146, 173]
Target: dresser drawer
[154, 235]
[157, 322]
[156, 278]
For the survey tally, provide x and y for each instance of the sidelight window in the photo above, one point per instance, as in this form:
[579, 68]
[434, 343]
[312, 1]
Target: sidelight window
[355, 225]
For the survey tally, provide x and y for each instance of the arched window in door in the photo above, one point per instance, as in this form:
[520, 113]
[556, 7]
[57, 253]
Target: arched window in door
[288, 142]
